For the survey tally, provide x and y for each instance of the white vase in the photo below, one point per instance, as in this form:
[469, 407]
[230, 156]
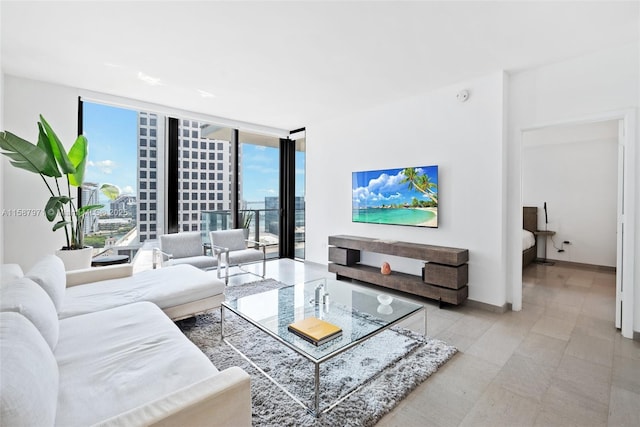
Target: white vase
[76, 259]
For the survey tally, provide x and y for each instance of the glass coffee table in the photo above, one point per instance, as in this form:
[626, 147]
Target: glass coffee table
[360, 312]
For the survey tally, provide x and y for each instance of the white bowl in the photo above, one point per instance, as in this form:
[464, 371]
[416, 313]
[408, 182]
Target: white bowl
[385, 299]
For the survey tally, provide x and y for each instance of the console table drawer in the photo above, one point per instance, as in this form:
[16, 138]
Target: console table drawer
[445, 275]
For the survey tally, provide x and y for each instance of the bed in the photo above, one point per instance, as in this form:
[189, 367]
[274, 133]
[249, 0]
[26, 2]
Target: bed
[529, 226]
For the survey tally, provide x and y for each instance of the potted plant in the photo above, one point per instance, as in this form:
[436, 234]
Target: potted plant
[246, 222]
[49, 159]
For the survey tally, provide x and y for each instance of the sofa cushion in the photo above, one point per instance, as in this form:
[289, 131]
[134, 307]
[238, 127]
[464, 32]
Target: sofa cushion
[165, 287]
[50, 275]
[25, 297]
[10, 272]
[29, 386]
[115, 360]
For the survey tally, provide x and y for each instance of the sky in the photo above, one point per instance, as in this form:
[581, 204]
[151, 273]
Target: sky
[113, 140]
[384, 187]
[112, 133]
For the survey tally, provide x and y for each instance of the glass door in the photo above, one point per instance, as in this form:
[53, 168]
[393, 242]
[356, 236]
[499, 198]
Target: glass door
[259, 189]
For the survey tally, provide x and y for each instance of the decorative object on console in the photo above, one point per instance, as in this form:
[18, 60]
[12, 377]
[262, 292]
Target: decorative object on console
[406, 196]
[49, 159]
[386, 268]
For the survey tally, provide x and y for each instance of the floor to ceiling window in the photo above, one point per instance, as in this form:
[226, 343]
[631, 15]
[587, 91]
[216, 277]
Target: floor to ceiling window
[178, 174]
[125, 150]
[259, 189]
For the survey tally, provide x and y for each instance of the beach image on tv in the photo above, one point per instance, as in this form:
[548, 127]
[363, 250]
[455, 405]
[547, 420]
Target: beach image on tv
[405, 196]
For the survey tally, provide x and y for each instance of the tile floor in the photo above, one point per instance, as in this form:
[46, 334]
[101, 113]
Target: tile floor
[558, 362]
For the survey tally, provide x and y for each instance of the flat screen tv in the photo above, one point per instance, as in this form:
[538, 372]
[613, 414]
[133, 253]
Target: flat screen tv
[405, 196]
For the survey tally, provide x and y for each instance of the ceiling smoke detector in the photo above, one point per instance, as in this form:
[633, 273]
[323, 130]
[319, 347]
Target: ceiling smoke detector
[463, 95]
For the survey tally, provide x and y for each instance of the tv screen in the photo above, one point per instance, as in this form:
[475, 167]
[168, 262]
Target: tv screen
[405, 196]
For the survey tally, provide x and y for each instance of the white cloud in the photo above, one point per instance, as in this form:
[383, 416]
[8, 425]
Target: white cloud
[128, 189]
[105, 166]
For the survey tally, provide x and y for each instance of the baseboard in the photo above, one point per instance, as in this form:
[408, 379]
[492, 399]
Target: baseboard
[583, 266]
[488, 307]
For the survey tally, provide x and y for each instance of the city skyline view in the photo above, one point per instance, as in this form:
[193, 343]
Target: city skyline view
[112, 133]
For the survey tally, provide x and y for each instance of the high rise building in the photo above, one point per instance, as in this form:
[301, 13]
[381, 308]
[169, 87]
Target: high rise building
[150, 197]
[203, 175]
[90, 197]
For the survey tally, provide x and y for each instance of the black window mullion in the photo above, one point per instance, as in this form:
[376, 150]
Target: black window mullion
[172, 174]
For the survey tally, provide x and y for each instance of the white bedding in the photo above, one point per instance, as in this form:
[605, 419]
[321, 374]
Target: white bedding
[528, 239]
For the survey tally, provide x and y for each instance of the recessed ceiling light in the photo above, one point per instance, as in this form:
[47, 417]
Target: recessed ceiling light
[151, 81]
[205, 94]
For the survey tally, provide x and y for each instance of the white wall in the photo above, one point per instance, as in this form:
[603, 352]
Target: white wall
[27, 238]
[575, 171]
[464, 139]
[571, 90]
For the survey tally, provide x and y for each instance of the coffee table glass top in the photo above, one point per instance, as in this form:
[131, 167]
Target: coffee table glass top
[358, 311]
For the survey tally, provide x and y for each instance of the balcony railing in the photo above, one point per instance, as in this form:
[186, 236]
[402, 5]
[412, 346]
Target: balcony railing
[263, 227]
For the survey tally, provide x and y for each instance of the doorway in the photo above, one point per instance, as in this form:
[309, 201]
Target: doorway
[625, 202]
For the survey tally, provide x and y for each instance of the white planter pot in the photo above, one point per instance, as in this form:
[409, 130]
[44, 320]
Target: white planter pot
[76, 259]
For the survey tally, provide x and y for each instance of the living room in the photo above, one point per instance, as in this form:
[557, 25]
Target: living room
[477, 144]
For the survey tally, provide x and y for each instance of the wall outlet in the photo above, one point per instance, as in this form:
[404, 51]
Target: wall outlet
[566, 242]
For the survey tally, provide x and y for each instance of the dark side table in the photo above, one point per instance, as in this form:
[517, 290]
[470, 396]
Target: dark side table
[109, 260]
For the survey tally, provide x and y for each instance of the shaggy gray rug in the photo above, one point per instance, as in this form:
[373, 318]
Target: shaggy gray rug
[402, 358]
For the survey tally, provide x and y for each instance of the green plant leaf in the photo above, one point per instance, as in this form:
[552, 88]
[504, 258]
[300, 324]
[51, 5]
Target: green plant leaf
[60, 224]
[83, 210]
[78, 157]
[55, 203]
[58, 149]
[23, 154]
[51, 169]
[110, 190]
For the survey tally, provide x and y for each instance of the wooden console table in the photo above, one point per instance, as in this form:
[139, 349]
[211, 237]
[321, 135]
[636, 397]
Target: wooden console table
[444, 275]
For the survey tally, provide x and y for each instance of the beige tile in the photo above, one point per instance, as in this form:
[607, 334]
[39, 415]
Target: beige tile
[471, 326]
[497, 344]
[593, 349]
[554, 328]
[500, 407]
[626, 374]
[580, 280]
[461, 342]
[465, 377]
[596, 327]
[542, 349]
[565, 413]
[626, 347]
[436, 323]
[525, 377]
[588, 379]
[569, 408]
[623, 408]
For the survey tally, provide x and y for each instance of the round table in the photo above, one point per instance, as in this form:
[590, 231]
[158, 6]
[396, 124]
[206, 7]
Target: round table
[109, 260]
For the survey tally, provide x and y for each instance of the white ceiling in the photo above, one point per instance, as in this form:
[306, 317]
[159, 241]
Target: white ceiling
[290, 64]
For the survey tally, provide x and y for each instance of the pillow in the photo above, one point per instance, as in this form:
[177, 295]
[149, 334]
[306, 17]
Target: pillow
[25, 297]
[29, 386]
[50, 275]
[10, 272]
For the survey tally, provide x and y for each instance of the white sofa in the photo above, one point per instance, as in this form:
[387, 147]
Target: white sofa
[180, 291]
[128, 365]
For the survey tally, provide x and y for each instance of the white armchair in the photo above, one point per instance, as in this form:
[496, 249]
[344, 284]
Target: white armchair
[231, 249]
[183, 248]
